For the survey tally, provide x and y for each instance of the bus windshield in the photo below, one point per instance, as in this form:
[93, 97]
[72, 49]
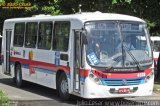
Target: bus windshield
[118, 44]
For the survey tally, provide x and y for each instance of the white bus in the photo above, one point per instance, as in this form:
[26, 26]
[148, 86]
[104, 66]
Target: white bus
[60, 52]
[0, 47]
[156, 50]
[156, 46]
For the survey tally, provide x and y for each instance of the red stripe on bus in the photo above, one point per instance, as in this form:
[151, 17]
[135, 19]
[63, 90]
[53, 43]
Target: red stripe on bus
[84, 72]
[102, 74]
[39, 64]
[155, 58]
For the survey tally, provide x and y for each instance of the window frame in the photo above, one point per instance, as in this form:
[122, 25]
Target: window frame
[26, 34]
[23, 32]
[55, 47]
[44, 48]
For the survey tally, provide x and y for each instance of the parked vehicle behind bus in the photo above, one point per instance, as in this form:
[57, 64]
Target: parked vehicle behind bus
[81, 54]
[0, 47]
[156, 46]
[156, 50]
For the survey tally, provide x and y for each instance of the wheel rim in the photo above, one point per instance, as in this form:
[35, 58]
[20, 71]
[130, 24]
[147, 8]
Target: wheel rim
[18, 75]
[64, 86]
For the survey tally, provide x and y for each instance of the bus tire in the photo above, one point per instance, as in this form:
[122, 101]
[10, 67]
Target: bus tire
[18, 76]
[63, 87]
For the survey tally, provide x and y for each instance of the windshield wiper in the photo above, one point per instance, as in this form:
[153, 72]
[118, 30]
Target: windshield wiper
[134, 59]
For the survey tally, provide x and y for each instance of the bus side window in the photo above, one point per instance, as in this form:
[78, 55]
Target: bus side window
[61, 36]
[31, 34]
[45, 35]
[19, 34]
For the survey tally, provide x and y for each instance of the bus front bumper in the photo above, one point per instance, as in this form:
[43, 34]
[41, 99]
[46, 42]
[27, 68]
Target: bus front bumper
[92, 90]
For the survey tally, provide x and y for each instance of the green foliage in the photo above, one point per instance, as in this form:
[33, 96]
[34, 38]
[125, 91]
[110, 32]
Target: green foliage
[50, 10]
[4, 100]
[18, 1]
[33, 8]
[145, 9]
[1, 1]
[43, 7]
[116, 1]
[38, 7]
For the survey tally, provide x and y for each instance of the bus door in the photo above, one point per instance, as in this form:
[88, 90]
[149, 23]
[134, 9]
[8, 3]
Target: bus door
[7, 53]
[77, 61]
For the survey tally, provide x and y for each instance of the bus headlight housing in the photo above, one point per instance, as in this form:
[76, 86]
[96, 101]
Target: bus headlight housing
[94, 78]
[149, 76]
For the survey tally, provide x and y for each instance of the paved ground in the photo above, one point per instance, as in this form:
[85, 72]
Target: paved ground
[36, 95]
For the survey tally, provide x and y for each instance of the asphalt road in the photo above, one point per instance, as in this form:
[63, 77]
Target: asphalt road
[36, 95]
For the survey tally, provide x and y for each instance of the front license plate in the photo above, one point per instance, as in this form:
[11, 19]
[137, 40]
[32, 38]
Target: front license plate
[123, 90]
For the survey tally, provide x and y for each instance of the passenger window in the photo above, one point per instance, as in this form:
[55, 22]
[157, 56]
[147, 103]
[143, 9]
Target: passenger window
[19, 34]
[61, 36]
[45, 35]
[31, 34]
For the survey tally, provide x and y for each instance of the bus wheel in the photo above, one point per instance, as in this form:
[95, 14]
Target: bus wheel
[18, 75]
[63, 87]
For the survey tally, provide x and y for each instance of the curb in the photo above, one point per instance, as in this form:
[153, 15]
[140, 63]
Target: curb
[156, 90]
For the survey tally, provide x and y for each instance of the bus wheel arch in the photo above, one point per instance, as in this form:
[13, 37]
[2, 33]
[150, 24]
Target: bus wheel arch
[18, 74]
[62, 85]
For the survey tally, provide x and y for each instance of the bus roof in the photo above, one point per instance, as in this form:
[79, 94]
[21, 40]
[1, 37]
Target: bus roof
[83, 17]
[155, 38]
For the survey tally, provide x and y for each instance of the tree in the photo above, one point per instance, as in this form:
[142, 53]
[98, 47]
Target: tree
[38, 7]
[145, 9]
[43, 7]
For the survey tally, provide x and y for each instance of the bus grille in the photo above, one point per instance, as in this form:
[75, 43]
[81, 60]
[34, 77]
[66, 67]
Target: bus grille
[122, 82]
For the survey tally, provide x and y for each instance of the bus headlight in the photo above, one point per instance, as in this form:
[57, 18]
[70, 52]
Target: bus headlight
[148, 77]
[94, 78]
